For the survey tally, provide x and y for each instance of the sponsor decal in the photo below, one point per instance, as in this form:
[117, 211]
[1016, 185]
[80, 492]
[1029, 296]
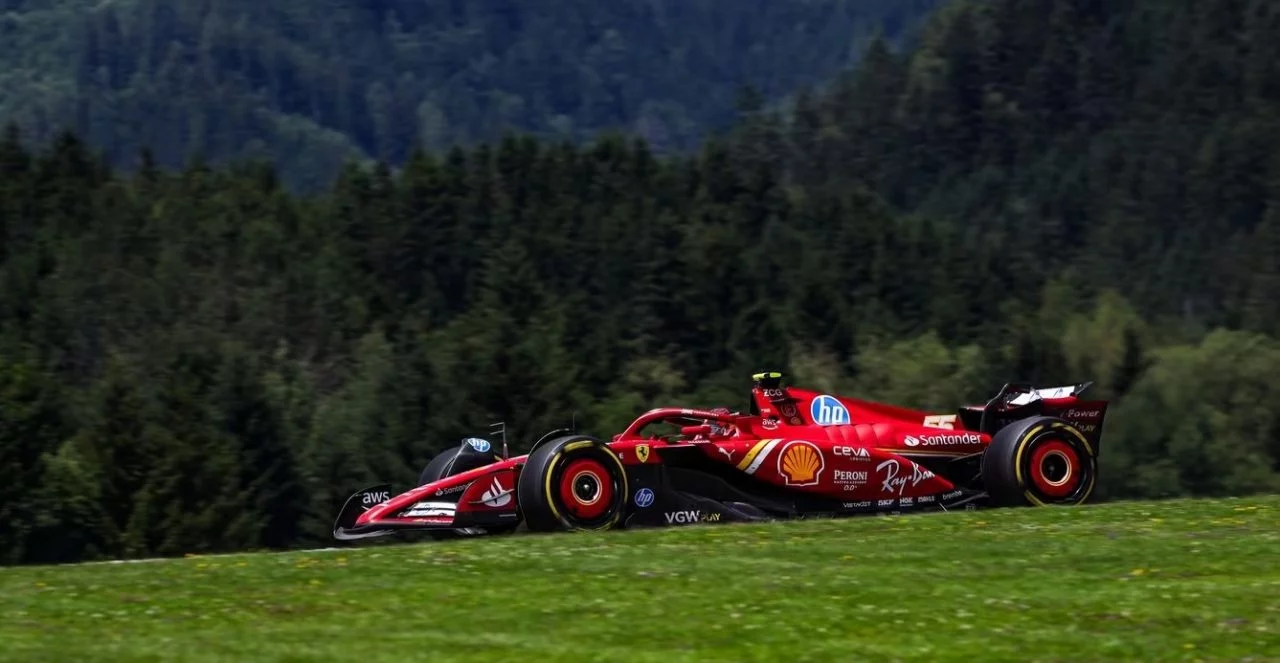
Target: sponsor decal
[851, 452]
[644, 497]
[827, 411]
[478, 444]
[853, 479]
[756, 455]
[774, 394]
[800, 463]
[940, 421]
[687, 517]
[941, 440]
[431, 510]
[924, 500]
[906, 501]
[894, 483]
[951, 495]
[788, 409]
[795, 421]
[857, 505]
[885, 503]
[728, 453]
[450, 491]
[1082, 414]
[770, 423]
[496, 496]
[1087, 428]
[642, 453]
[375, 498]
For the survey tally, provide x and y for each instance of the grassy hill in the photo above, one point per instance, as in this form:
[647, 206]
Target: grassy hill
[1178, 580]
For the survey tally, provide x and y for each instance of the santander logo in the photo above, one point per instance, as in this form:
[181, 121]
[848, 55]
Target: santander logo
[496, 496]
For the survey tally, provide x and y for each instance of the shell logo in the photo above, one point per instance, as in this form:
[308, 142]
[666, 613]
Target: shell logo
[800, 463]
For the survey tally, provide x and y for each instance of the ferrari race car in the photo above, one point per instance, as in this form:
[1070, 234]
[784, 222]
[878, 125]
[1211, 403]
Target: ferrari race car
[795, 453]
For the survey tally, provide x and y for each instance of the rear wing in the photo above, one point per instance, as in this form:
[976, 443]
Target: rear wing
[1033, 394]
[1017, 400]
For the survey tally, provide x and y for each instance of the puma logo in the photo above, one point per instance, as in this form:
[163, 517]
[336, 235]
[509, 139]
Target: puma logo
[728, 454]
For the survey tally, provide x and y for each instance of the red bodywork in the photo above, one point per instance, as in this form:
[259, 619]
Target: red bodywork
[842, 448]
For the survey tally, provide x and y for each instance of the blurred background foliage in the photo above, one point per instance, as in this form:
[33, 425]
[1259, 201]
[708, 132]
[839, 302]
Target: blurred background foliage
[202, 358]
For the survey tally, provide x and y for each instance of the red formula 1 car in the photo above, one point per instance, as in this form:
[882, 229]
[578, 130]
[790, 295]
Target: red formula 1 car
[795, 453]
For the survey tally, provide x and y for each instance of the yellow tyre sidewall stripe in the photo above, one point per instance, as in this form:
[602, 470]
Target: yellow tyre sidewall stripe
[555, 460]
[1022, 447]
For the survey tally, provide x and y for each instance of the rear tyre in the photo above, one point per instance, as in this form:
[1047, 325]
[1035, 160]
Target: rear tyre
[572, 483]
[447, 464]
[1041, 461]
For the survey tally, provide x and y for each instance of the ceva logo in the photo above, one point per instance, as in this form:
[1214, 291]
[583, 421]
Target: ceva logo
[827, 411]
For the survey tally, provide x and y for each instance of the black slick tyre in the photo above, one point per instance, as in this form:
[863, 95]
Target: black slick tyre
[1039, 461]
[572, 483]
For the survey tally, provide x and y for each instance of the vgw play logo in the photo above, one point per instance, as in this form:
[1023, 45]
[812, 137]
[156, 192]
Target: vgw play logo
[827, 411]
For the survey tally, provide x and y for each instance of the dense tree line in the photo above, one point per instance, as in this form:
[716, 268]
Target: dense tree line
[1049, 190]
[309, 87]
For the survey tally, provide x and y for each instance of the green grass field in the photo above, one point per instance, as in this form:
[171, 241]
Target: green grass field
[1179, 580]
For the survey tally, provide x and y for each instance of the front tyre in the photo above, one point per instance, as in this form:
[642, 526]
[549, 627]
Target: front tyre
[572, 483]
[1040, 461]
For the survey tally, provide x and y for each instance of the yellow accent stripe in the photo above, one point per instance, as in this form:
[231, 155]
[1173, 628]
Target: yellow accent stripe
[1022, 447]
[1080, 436]
[746, 460]
[551, 502]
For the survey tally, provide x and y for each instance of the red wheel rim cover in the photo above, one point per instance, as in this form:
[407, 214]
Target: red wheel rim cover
[1065, 453]
[593, 508]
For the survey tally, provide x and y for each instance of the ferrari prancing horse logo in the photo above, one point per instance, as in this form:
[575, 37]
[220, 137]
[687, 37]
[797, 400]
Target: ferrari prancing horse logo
[642, 452]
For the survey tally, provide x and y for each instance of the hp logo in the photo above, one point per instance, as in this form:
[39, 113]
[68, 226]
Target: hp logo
[644, 497]
[827, 411]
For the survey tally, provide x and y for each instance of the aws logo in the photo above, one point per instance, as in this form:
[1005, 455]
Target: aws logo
[828, 411]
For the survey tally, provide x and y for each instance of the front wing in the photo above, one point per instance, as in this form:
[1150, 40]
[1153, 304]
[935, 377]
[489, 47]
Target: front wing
[441, 515]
